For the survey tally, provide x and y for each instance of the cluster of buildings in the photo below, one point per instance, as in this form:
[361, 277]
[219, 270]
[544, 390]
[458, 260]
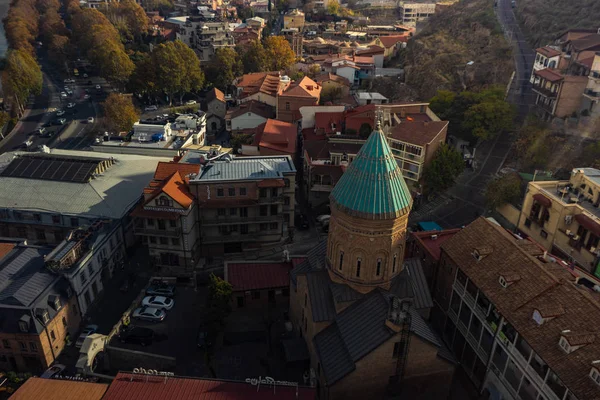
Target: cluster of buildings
[566, 75]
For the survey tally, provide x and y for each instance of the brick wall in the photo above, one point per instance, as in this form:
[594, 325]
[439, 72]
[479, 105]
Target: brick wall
[283, 114]
[435, 144]
[569, 96]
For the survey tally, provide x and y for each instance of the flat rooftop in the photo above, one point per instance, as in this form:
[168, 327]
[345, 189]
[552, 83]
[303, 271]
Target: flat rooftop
[231, 168]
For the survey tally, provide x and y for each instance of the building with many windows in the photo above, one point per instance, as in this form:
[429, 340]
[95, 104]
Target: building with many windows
[38, 307]
[521, 323]
[564, 217]
[205, 36]
[43, 196]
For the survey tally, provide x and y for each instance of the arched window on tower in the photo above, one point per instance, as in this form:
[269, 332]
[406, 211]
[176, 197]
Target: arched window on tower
[394, 263]
[341, 260]
[358, 261]
[378, 271]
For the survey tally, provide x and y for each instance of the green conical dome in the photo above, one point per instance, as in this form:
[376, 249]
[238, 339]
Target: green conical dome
[373, 186]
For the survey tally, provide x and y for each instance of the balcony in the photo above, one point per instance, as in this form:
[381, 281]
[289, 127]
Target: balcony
[595, 75]
[409, 156]
[539, 89]
[590, 94]
[410, 175]
[173, 232]
[549, 108]
[236, 219]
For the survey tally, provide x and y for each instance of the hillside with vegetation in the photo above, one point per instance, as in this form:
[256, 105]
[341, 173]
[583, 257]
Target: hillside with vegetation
[461, 48]
[543, 20]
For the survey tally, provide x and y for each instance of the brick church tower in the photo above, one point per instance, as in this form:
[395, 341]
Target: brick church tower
[369, 216]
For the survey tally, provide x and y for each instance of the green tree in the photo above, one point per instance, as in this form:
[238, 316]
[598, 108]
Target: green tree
[503, 190]
[254, 57]
[21, 78]
[51, 24]
[333, 7]
[193, 76]
[59, 50]
[128, 17]
[489, 118]
[443, 169]
[365, 130]
[238, 140]
[280, 55]
[227, 65]
[313, 71]
[442, 103]
[119, 112]
[333, 93]
[219, 298]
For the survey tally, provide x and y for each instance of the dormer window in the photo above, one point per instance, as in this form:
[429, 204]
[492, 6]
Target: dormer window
[564, 344]
[502, 282]
[595, 375]
[508, 279]
[54, 302]
[482, 252]
[24, 323]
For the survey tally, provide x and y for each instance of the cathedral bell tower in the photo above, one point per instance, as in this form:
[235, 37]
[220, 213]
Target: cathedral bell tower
[369, 216]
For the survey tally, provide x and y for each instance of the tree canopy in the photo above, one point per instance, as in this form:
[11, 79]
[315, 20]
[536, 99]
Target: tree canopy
[128, 17]
[22, 77]
[119, 112]
[443, 170]
[226, 66]
[279, 54]
[254, 57]
[172, 68]
[503, 190]
[21, 25]
[474, 115]
[365, 130]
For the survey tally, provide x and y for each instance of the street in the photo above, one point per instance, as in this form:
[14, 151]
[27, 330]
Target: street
[465, 201]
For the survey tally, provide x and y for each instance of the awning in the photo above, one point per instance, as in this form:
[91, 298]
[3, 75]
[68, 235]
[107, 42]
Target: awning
[588, 223]
[271, 183]
[543, 200]
[295, 350]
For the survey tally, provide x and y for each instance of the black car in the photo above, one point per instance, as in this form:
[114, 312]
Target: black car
[137, 335]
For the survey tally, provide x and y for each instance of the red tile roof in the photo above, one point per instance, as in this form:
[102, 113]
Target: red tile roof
[330, 122]
[252, 106]
[143, 387]
[334, 171]
[548, 51]
[166, 169]
[264, 82]
[389, 41]
[328, 76]
[305, 88]
[549, 74]
[431, 245]
[255, 276]
[372, 50]
[6, 248]
[215, 93]
[277, 135]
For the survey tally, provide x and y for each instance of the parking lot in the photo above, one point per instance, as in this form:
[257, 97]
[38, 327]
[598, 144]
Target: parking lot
[176, 335]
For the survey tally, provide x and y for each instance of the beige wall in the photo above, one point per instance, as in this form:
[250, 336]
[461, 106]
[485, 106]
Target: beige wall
[569, 97]
[262, 97]
[510, 212]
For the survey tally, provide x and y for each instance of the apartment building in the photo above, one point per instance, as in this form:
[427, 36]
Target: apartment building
[243, 202]
[519, 322]
[204, 36]
[564, 217]
[166, 220]
[294, 19]
[87, 258]
[557, 94]
[411, 13]
[38, 307]
[591, 94]
[43, 196]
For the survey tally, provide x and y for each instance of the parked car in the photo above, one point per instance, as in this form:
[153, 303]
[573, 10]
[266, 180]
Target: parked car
[28, 142]
[70, 105]
[68, 80]
[85, 75]
[161, 289]
[151, 108]
[137, 335]
[322, 219]
[86, 96]
[151, 314]
[69, 91]
[60, 121]
[41, 130]
[87, 331]
[90, 120]
[63, 95]
[98, 87]
[53, 370]
[190, 102]
[163, 302]
[60, 112]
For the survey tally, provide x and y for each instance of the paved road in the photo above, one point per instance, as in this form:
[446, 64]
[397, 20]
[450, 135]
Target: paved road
[465, 201]
[42, 110]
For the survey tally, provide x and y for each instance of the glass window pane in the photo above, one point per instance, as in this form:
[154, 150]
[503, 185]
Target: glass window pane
[523, 348]
[475, 328]
[465, 315]
[449, 331]
[461, 277]
[455, 303]
[483, 303]
[500, 358]
[539, 366]
[513, 375]
[472, 289]
[528, 391]
[486, 342]
[458, 345]
[556, 385]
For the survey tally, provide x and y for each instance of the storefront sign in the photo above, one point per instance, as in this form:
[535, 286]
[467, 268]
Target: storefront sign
[152, 372]
[267, 380]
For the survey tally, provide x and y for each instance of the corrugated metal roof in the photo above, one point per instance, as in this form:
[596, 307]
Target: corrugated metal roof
[334, 357]
[23, 276]
[422, 296]
[420, 328]
[247, 168]
[373, 186]
[54, 389]
[320, 296]
[142, 387]
[315, 259]
[344, 293]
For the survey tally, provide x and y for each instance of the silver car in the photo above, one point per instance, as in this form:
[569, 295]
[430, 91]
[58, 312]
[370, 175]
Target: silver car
[150, 314]
[158, 302]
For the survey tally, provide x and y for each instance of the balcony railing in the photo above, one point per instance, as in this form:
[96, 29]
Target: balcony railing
[543, 91]
[175, 232]
[594, 75]
[591, 93]
[408, 156]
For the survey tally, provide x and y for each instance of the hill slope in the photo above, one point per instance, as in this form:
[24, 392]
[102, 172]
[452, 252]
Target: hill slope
[467, 31]
[544, 20]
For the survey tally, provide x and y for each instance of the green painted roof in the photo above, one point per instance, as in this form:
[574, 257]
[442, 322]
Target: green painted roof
[373, 186]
